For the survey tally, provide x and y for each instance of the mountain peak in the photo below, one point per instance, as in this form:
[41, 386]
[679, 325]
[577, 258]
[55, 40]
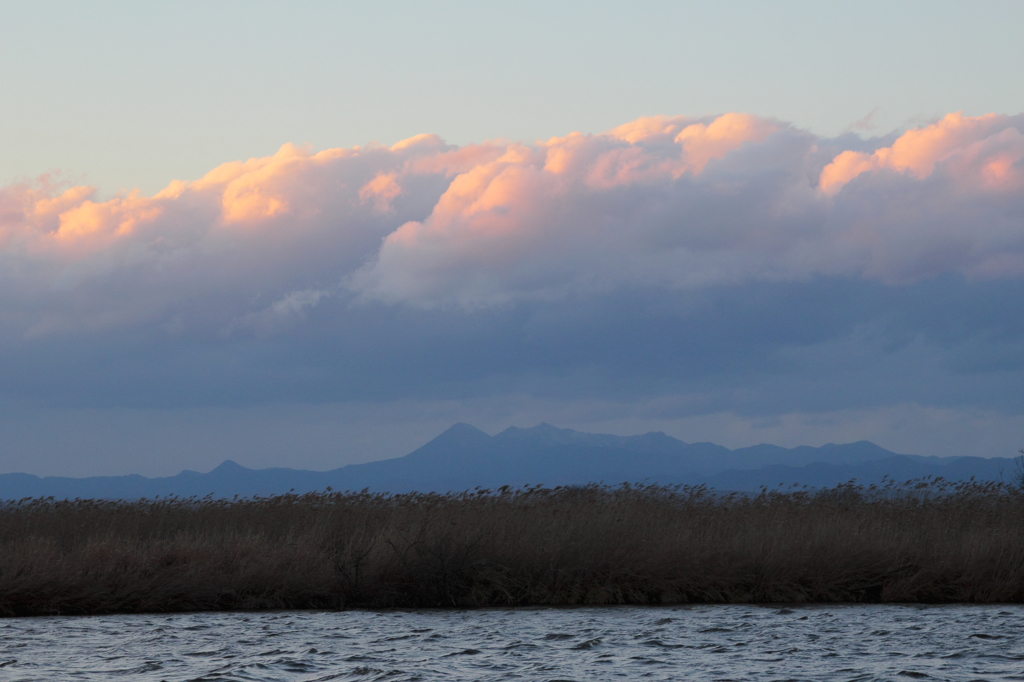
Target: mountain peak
[462, 431]
[545, 434]
[542, 432]
[228, 466]
[458, 438]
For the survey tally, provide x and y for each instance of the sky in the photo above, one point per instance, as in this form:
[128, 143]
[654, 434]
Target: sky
[314, 234]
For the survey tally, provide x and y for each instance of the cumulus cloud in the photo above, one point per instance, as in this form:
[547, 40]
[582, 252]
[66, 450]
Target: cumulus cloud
[735, 261]
[658, 275]
[210, 250]
[680, 204]
[984, 149]
[665, 202]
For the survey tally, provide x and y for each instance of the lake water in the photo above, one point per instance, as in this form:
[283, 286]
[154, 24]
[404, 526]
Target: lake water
[634, 643]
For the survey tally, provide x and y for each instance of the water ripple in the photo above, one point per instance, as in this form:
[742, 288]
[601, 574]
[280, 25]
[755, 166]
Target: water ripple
[745, 643]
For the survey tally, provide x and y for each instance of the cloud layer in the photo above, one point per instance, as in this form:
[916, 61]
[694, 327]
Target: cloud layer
[734, 262]
[665, 202]
[679, 204]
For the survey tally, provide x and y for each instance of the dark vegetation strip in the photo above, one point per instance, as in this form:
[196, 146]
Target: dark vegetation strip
[928, 542]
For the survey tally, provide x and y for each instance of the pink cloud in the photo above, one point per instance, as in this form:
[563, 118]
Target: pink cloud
[668, 201]
[662, 201]
[248, 226]
[961, 144]
[381, 190]
[703, 142]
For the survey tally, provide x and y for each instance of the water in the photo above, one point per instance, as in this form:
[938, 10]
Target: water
[671, 643]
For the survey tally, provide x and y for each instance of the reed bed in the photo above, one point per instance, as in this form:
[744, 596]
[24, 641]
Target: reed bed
[918, 542]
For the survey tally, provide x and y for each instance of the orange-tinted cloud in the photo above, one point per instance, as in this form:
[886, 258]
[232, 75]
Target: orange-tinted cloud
[955, 141]
[644, 203]
[662, 201]
[703, 142]
[381, 190]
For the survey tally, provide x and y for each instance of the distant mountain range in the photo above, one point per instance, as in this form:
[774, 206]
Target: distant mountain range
[464, 457]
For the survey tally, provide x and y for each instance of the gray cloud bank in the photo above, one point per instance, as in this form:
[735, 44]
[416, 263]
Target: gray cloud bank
[731, 264]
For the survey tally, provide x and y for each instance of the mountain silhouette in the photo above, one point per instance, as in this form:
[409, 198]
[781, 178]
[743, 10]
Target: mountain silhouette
[463, 458]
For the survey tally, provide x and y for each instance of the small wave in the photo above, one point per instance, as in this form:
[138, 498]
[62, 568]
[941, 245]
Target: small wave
[542, 645]
[362, 671]
[293, 666]
[147, 667]
[215, 652]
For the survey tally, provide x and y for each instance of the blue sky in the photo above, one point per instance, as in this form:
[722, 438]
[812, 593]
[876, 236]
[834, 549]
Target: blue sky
[213, 246]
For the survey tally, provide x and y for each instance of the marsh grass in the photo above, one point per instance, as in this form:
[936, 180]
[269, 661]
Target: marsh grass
[917, 542]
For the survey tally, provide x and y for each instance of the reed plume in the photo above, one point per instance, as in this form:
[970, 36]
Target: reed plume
[928, 541]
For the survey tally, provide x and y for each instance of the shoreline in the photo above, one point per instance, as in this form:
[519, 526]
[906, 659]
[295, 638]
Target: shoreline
[783, 608]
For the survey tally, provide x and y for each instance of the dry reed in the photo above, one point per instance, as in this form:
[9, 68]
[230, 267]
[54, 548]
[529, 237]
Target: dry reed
[928, 542]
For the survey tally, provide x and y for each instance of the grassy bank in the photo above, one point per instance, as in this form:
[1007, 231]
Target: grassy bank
[588, 545]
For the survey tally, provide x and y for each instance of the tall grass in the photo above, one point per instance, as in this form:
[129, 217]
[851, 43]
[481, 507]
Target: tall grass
[931, 542]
